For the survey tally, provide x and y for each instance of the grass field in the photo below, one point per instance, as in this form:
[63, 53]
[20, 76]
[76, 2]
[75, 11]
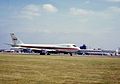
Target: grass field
[38, 69]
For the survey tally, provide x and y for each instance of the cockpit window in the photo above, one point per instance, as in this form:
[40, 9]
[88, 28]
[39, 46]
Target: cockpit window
[74, 45]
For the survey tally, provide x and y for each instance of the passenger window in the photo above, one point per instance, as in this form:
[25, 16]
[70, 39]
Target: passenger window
[68, 45]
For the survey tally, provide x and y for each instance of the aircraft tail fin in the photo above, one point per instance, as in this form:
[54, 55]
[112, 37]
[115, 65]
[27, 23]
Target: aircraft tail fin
[15, 40]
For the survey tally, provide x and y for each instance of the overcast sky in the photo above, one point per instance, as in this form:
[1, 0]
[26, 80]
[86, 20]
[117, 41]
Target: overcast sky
[95, 23]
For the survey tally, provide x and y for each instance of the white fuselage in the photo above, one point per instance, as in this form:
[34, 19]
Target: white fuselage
[56, 47]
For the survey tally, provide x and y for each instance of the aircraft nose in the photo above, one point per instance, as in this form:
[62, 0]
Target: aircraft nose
[78, 48]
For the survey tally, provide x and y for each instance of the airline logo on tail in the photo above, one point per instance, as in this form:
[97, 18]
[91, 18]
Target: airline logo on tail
[15, 40]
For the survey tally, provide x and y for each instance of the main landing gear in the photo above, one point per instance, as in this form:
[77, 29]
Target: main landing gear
[70, 54]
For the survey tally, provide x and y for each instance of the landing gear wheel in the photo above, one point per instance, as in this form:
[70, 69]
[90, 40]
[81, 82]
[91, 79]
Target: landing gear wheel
[70, 54]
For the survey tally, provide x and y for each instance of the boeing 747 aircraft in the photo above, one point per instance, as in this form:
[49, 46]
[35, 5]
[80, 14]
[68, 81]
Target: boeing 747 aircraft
[47, 48]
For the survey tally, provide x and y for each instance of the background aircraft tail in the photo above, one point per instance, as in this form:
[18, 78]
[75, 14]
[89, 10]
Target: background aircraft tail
[15, 40]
